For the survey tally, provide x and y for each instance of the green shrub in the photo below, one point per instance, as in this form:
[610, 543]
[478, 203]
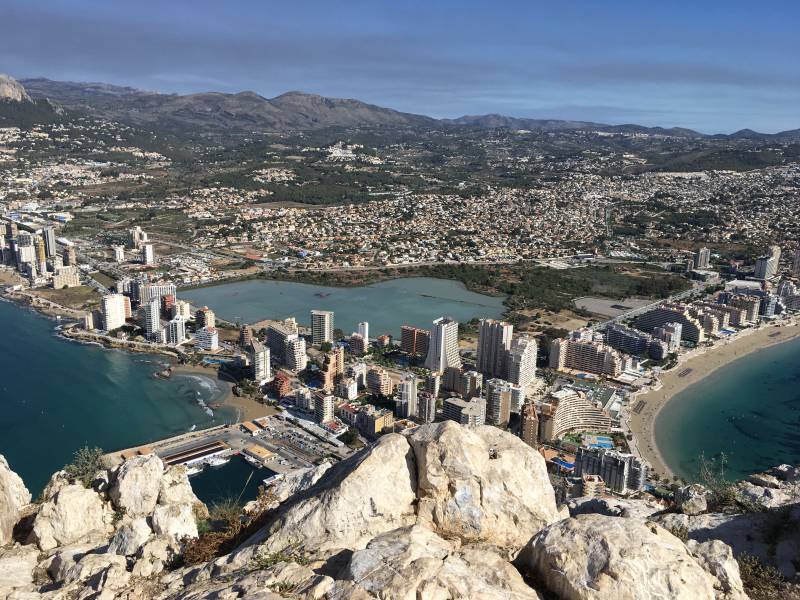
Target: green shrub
[86, 462]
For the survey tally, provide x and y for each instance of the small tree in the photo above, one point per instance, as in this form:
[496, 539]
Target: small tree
[86, 462]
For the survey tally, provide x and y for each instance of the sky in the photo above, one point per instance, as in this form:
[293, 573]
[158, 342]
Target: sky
[712, 66]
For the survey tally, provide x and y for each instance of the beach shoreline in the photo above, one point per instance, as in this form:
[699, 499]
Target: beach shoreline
[246, 408]
[700, 363]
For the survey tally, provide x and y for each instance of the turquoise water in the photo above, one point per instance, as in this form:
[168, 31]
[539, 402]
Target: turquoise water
[748, 409]
[56, 396]
[386, 305]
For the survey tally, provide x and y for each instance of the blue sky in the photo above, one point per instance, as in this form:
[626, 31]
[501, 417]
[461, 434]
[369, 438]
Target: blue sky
[713, 66]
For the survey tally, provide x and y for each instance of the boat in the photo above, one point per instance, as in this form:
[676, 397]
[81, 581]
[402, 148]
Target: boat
[218, 461]
[194, 470]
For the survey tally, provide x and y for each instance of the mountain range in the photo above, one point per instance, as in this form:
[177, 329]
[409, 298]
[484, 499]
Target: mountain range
[292, 111]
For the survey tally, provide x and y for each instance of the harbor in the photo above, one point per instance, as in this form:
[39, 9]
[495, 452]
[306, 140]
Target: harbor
[279, 444]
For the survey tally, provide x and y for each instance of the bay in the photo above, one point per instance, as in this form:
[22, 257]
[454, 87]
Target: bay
[57, 395]
[749, 410]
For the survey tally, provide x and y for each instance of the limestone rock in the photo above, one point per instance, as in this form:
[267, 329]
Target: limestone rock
[154, 556]
[413, 562]
[613, 507]
[596, 557]
[481, 484]
[717, 558]
[130, 537]
[137, 485]
[786, 473]
[92, 564]
[71, 514]
[766, 496]
[13, 496]
[692, 499]
[57, 480]
[11, 89]
[175, 520]
[360, 497]
[63, 560]
[297, 481]
[16, 568]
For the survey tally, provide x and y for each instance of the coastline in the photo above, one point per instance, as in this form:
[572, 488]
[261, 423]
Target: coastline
[246, 408]
[702, 362]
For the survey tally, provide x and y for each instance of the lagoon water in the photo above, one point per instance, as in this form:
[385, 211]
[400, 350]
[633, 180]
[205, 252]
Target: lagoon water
[57, 395]
[748, 409]
[386, 305]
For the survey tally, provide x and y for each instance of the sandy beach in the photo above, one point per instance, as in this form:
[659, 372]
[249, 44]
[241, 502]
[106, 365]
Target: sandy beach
[246, 408]
[693, 367]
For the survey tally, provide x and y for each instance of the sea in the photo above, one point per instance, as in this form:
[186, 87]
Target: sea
[57, 395]
[385, 306]
[748, 411]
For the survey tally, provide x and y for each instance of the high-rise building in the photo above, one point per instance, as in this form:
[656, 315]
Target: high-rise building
[321, 326]
[378, 382]
[69, 259]
[49, 235]
[767, 265]
[295, 353]
[205, 317]
[529, 425]
[148, 255]
[521, 363]
[112, 307]
[692, 329]
[443, 348]
[136, 237]
[568, 410]
[702, 258]
[358, 372]
[150, 317]
[467, 412]
[277, 336]
[259, 362]
[145, 292]
[621, 473]
[176, 330]
[245, 336]
[433, 383]
[119, 254]
[587, 356]
[494, 342]
[671, 334]
[406, 396]
[414, 340]
[324, 408]
[182, 308]
[207, 338]
[363, 330]
[358, 344]
[796, 264]
[498, 402]
[426, 407]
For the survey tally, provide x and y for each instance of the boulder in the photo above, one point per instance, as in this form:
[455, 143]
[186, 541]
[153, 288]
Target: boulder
[13, 497]
[130, 537]
[692, 499]
[57, 480]
[63, 560]
[413, 562]
[367, 494]
[175, 520]
[765, 480]
[154, 556]
[481, 484]
[613, 507]
[717, 558]
[766, 496]
[17, 564]
[137, 485]
[74, 512]
[597, 557]
[92, 564]
[786, 473]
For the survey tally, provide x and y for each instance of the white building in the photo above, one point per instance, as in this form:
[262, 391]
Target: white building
[426, 407]
[324, 409]
[260, 362]
[443, 348]
[521, 363]
[321, 326]
[176, 331]
[150, 317]
[295, 353]
[207, 338]
[406, 396]
[112, 307]
[363, 331]
[148, 255]
[119, 254]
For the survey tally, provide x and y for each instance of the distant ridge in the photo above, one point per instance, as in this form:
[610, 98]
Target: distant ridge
[298, 111]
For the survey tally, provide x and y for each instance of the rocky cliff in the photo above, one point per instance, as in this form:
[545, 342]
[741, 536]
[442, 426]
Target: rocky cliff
[443, 512]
